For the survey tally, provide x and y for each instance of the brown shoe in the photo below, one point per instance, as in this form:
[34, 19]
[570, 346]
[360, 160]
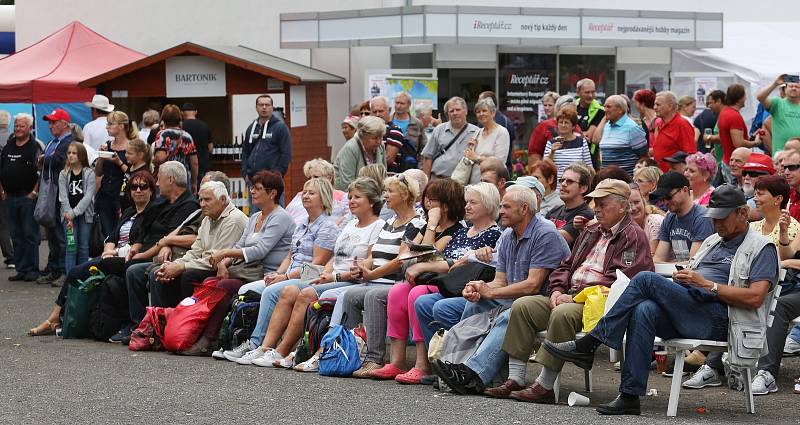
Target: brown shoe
[535, 394]
[503, 391]
[365, 369]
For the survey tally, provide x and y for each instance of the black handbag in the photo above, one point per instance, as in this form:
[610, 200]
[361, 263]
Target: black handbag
[96, 238]
[452, 283]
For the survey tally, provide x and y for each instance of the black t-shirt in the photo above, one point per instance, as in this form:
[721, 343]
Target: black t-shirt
[706, 119]
[75, 188]
[583, 118]
[164, 217]
[562, 218]
[111, 183]
[18, 171]
[201, 135]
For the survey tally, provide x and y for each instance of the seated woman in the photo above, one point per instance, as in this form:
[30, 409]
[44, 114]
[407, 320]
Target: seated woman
[771, 197]
[647, 179]
[700, 171]
[545, 170]
[318, 168]
[288, 319]
[142, 190]
[312, 244]
[261, 249]
[646, 216]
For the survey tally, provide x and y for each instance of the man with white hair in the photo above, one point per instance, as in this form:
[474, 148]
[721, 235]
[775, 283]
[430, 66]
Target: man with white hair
[222, 226]
[414, 137]
[623, 141]
[674, 134]
[18, 184]
[424, 113]
[393, 137]
[5, 236]
[449, 141]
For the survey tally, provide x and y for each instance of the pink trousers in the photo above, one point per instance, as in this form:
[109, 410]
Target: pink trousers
[400, 309]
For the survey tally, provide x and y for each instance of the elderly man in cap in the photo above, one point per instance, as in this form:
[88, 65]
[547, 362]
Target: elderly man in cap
[201, 135]
[94, 132]
[54, 158]
[613, 243]
[677, 162]
[724, 292]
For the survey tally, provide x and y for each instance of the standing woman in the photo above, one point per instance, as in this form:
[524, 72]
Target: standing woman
[567, 147]
[76, 192]
[139, 159]
[112, 170]
[687, 106]
[492, 140]
[700, 171]
[645, 101]
[545, 129]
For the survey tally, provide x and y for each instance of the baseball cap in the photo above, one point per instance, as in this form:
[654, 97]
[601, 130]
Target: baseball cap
[530, 182]
[667, 183]
[759, 162]
[677, 157]
[724, 200]
[57, 115]
[188, 106]
[610, 187]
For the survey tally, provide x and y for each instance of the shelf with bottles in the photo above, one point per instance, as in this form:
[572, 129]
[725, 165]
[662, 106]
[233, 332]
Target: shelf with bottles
[240, 195]
[230, 151]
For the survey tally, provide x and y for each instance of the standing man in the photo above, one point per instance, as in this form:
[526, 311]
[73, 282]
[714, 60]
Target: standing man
[19, 176]
[785, 111]
[267, 144]
[707, 119]
[731, 127]
[94, 132]
[623, 141]
[590, 113]
[393, 137]
[55, 156]
[504, 121]
[414, 137]
[5, 235]
[675, 133]
[449, 140]
[201, 135]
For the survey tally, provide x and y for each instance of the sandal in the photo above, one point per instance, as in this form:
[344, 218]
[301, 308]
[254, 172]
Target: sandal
[310, 365]
[285, 363]
[412, 377]
[46, 328]
[388, 371]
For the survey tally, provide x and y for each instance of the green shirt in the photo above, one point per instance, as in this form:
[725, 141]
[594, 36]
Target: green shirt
[785, 121]
[350, 159]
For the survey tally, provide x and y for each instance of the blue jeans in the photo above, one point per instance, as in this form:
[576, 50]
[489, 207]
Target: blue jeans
[656, 306]
[490, 357]
[448, 311]
[81, 230]
[24, 234]
[269, 299]
[136, 277]
[57, 247]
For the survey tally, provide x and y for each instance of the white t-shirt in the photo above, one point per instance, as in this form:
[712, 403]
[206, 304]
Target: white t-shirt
[353, 242]
[95, 133]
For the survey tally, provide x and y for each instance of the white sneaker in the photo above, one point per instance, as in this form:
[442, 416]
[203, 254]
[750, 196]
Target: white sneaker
[791, 347]
[268, 358]
[218, 354]
[250, 356]
[764, 383]
[704, 377]
[239, 351]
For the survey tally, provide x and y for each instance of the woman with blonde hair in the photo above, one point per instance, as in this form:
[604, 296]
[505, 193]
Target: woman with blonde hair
[322, 169]
[139, 158]
[687, 106]
[647, 179]
[492, 140]
[111, 165]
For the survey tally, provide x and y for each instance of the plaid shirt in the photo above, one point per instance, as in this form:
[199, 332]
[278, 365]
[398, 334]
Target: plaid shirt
[591, 271]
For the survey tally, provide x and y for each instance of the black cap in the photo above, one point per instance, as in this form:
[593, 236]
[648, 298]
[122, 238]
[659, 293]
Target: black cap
[724, 201]
[666, 183]
[188, 106]
[677, 157]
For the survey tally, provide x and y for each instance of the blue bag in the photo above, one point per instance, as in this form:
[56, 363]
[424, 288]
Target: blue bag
[340, 355]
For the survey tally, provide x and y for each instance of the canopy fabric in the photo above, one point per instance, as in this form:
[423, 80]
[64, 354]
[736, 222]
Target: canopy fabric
[50, 70]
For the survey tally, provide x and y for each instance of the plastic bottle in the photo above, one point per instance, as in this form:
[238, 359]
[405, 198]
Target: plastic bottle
[70, 241]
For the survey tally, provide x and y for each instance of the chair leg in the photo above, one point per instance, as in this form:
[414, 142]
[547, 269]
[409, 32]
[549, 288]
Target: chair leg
[613, 355]
[675, 389]
[587, 380]
[557, 386]
[748, 391]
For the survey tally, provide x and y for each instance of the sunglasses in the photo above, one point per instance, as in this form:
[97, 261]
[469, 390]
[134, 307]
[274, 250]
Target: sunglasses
[669, 196]
[755, 174]
[365, 113]
[567, 181]
[140, 187]
[402, 178]
[791, 167]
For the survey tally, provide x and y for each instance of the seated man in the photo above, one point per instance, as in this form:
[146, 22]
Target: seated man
[574, 183]
[222, 226]
[529, 249]
[730, 277]
[685, 227]
[613, 243]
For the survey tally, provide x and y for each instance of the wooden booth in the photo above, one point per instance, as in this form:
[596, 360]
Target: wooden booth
[223, 82]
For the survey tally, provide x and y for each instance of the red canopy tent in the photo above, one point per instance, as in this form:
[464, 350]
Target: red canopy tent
[50, 70]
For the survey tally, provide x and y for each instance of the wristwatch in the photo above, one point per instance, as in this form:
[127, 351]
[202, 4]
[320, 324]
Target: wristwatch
[715, 288]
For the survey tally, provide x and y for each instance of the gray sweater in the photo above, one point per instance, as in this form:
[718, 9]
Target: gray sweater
[271, 244]
[86, 205]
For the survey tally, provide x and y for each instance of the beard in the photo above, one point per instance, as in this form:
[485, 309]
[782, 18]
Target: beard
[748, 189]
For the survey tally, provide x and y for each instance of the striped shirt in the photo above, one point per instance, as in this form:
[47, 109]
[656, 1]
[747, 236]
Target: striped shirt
[576, 150]
[622, 144]
[388, 245]
[393, 136]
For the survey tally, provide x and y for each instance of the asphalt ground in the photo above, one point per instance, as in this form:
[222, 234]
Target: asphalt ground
[49, 380]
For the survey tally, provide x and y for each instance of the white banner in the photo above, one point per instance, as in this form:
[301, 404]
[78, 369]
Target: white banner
[518, 26]
[646, 29]
[297, 106]
[195, 76]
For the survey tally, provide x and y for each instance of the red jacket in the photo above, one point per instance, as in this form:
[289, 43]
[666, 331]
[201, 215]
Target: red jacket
[673, 136]
[629, 251]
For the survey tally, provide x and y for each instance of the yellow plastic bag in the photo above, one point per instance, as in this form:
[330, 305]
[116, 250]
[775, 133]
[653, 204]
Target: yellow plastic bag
[594, 304]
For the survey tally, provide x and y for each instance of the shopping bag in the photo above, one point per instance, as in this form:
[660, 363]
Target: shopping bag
[617, 288]
[593, 299]
[190, 317]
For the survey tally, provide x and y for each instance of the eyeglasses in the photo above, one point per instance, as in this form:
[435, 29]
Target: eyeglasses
[567, 181]
[755, 174]
[139, 187]
[669, 196]
[791, 167]
[109, 124]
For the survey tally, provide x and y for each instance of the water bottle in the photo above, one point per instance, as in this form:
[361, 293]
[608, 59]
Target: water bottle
[70, 241]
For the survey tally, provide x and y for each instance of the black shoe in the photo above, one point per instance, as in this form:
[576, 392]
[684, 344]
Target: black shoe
[17, 277]
[124, 332]
[566, 351]
[620, 406]
[458, 377]
[688, 369]
[31, 277]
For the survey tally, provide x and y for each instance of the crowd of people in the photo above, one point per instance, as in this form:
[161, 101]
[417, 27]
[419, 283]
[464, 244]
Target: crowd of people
[607, 191]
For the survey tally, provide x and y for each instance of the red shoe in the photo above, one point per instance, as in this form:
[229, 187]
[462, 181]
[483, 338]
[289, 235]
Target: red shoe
[388, 371]
[412, 377]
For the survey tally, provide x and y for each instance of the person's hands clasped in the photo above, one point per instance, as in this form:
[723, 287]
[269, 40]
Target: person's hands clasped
[485, 254]
[165, 254]
[222, 270]
[472, 291]
[216, 257]
[169, 271]
[324, 277]
[557, 298]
